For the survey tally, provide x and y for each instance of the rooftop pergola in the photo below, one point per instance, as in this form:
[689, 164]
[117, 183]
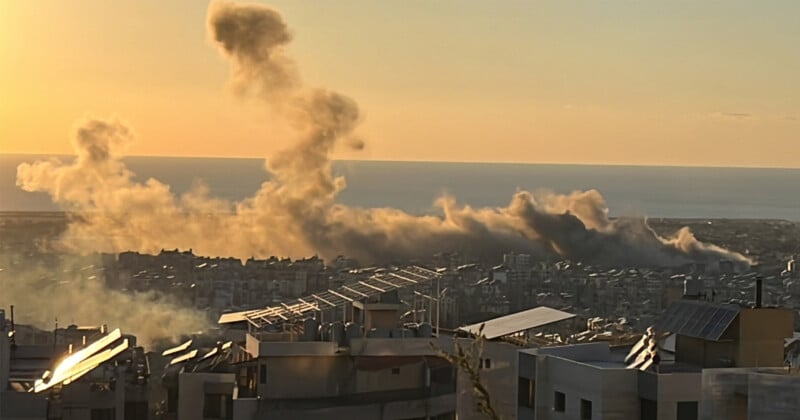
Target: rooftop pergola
[362, 290]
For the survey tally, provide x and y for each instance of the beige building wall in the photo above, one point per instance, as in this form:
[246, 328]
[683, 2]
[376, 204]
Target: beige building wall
[408, 376]
[304, 376]
[761, 336]
[192, 392]
[500, 378]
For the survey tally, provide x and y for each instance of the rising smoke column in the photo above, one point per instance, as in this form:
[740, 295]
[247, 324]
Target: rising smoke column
[295, 212]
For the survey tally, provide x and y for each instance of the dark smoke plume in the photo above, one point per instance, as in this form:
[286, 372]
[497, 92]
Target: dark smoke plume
[295, 213]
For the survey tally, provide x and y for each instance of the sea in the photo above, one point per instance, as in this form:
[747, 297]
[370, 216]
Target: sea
[652, 191]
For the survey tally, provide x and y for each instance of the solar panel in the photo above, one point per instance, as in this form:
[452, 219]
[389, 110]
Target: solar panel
[184, 357]
[697, 319]
[358, 291]
[83, 361]
[177, 349]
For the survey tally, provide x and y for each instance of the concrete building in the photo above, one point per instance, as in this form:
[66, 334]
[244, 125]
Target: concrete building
[393, 377]
[347, 353]
[717, 369]
[103, 378]
[761, 393]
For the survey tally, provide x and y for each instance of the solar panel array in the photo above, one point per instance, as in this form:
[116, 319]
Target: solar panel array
[358, 291]
[83, 361]
[697, 319]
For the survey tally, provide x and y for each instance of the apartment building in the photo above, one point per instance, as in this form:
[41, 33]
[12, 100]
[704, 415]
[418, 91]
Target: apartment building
[717, 361]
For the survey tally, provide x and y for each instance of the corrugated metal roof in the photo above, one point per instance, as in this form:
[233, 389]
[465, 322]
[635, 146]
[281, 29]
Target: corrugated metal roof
[520, 321]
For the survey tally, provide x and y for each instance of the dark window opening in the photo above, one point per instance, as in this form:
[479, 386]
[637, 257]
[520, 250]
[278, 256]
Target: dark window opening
[586, 410]
[687, 410]
[649, 409]
[526, 392]
[262, 374]
[559, 402]
[395, 371]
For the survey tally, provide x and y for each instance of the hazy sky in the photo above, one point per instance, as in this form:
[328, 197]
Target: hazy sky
[633, 82]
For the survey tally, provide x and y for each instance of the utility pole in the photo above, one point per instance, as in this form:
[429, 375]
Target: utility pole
[438, 303]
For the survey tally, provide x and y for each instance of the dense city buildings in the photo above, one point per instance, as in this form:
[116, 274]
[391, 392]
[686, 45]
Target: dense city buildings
[315, 338]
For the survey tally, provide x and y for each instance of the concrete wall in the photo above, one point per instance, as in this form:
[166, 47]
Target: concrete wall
[500, 379]
[620, 397]
[259, 348]
[305, 376]
[761, 335]
[77, 401]
[5, 357]
[613, 392]
[399, 346]
[395, 410]
[773, 396]
[579, 352]
[192, 391]
[689, 350]
[22, 405]
[408, 376]
[677, 387]
[768, 394]
[376, 317]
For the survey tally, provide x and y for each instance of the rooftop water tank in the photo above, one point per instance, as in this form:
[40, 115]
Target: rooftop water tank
[352, 330]
[325, 332]
[337, 332]
[424, 330]
[310, 330]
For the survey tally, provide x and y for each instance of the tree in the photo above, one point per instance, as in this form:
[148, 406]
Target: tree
[468, 361]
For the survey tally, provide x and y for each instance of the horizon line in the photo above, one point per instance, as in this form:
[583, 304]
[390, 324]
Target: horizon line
[497, 162]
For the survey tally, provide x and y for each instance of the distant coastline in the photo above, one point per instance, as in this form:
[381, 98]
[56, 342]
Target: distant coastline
[653, 191]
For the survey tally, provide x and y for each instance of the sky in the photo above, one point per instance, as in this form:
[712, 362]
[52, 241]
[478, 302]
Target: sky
[710, 83]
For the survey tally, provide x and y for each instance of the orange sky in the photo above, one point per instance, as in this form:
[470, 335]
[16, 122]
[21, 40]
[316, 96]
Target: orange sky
[677, 83]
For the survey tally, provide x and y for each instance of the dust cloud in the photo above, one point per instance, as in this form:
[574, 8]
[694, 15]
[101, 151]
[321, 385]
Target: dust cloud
[295, 212]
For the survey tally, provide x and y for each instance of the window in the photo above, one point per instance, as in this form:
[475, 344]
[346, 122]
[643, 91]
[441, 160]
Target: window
[486, 363]
[687, 410]
[395, 371]
[526, 392]
[559, 402]
[586, 409]
[262, 374]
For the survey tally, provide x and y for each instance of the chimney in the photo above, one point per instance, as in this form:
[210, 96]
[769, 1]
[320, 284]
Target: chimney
[759, 296]
[13, 328]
